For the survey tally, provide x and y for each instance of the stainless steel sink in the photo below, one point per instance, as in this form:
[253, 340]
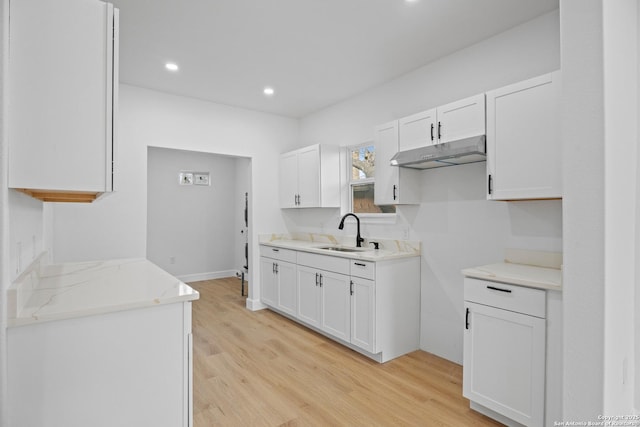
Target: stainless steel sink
[343, 249]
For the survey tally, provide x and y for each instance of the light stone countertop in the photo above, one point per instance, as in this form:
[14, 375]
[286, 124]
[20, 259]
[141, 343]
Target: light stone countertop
[306, 242]
[518, 274]
[63, 291]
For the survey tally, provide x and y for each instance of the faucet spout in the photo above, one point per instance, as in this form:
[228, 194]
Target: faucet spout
[359, 239]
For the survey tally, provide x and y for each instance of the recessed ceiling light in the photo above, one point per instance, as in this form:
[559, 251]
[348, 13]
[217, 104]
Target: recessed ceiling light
[171, 66]
[269, 91]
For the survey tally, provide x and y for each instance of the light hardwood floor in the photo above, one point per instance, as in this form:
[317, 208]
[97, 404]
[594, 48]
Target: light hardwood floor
[262, 369]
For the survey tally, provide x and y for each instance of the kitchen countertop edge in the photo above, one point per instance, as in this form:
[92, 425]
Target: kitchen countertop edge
[315, 247]
[518, 274]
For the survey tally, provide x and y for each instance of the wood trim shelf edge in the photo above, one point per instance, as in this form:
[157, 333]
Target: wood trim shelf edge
[61, 195]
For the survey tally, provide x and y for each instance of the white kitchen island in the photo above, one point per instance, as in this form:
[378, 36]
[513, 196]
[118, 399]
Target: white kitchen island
[99, 343]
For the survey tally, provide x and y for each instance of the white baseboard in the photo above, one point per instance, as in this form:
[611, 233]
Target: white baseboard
[255, 305]
[208, 276]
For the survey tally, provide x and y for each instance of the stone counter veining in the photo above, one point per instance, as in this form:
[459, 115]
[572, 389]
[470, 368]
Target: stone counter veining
[308, 242]
[63, 291]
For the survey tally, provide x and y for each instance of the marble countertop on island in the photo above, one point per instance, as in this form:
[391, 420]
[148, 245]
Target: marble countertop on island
[311, 242]
[63, 291]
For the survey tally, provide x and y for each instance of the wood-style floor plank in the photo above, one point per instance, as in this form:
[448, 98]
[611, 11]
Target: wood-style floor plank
[262, 369]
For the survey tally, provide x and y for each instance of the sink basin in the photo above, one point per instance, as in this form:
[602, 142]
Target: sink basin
[344, 249]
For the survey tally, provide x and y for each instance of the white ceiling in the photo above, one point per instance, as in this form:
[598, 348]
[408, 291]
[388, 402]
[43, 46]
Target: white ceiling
[313, 52]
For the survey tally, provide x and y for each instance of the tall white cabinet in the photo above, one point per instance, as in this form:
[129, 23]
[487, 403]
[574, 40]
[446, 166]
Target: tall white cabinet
[394, 186]
[310, 177]
[524, 155]
[63, 86]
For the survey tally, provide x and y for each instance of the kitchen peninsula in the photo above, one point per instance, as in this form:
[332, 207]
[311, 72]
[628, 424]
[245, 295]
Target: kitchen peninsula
[99, 343]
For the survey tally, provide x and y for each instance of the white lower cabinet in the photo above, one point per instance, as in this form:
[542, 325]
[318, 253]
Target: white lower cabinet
[363, 311]
[324, 301]
[126, 368]
[278, 279]
[504, 350]
[372, 307]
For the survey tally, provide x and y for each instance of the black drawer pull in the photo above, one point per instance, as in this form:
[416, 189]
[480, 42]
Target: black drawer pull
[359, 264]
[499, 289]
[275, 250]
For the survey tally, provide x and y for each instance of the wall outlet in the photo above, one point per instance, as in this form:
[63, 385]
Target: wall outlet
[405, 233]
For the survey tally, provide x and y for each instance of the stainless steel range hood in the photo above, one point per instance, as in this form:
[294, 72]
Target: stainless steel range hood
[468, 150]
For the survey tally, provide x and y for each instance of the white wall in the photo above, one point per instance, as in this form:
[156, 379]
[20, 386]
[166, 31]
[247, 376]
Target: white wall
[191, 228]
[621, 138]
[4, 207]
[457, 226]
[115, 226]
[599, 117]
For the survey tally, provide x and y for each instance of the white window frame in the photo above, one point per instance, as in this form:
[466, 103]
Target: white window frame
[365, 217]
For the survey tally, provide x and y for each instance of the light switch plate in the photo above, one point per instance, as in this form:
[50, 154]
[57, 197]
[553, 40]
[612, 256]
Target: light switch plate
[186, 178]
[201, 178]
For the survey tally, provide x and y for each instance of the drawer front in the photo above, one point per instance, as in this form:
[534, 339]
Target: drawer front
[364, 269]
[278, 253]
[509, 297]
[324, 262]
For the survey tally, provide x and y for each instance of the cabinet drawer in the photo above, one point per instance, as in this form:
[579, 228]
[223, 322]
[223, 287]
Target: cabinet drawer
[278, 253]
[509, 297]
[324, 262]
[364, 269]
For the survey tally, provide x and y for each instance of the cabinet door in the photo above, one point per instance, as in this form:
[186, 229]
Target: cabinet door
[417, 130]
[308, 296]
[289, 180]
[504, 362]
[523, 140]
[61, 75]
[336, 305]
[309, 177]
[268, 282]
[287, 287]
[387, 176]
[363, 314]
[461, 119]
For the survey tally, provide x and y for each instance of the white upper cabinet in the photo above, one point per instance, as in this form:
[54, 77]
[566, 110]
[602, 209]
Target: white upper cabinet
[458, 120]
[310, 177]
[523, 140]
[461, 119]
[393, 185]
[418, 130]
[63, 81]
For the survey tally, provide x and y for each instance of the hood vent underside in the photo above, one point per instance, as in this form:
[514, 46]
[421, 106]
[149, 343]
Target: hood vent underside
[462, 151]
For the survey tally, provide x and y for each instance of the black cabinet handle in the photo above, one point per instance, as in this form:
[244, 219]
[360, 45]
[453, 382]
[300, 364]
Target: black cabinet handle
[276, 268]
[321, 280]
[317, 281]
[439, 130]
[493, 288]
[275, 250]
[351, 287]
[490, 184]
[273, 267]
[466, 319]
[432, 131]
[359, 264]
[395, 192]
